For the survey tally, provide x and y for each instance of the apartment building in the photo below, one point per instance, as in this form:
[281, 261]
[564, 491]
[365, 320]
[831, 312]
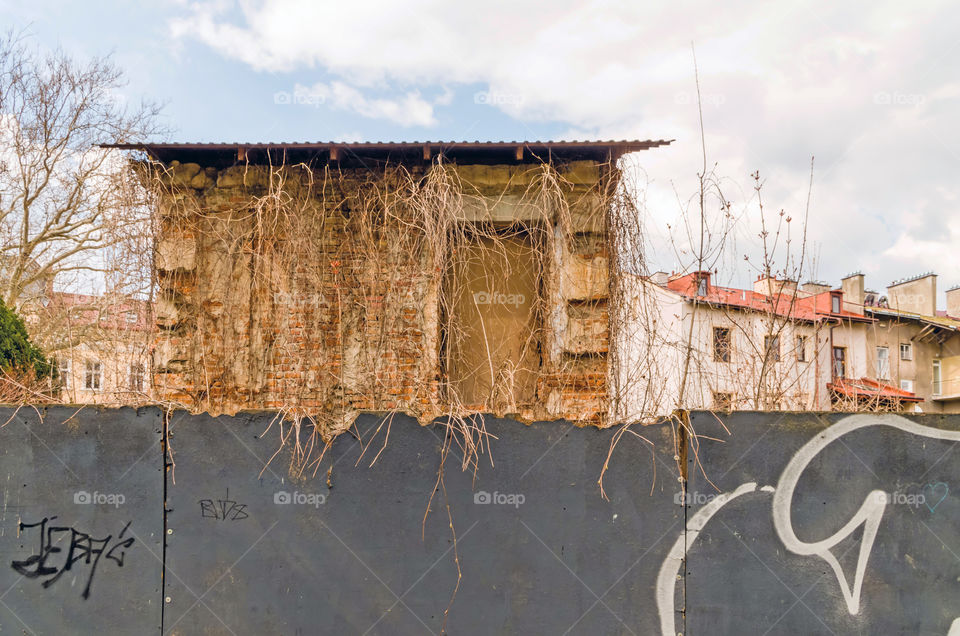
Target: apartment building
[101, 347]
[780, 346]
[912, 344]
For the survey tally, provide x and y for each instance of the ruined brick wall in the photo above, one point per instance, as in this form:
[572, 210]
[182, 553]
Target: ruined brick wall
[322, 290]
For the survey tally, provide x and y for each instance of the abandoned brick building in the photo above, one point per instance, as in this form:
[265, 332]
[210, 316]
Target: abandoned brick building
[429, 278]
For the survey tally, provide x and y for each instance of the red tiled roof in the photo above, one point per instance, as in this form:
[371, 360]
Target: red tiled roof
[89, 310]
[810, 308]
[868, 389]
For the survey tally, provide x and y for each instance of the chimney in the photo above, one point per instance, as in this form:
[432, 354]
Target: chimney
[917, 295]
[702, 281]
[953, 302]
[813, 287]
[853, 292]
[765, 284]
[788, 287]
[660, 278]
[770, 286]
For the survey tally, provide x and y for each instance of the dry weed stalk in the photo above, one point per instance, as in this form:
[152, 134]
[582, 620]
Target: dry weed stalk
[355, 281]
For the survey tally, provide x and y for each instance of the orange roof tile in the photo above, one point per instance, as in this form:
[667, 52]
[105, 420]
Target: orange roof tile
[811, 308]
[871, 389]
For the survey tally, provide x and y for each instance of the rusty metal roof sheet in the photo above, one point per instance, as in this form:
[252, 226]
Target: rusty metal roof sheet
[221, 153]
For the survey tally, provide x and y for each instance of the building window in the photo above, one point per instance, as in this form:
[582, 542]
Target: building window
[883, 363]
[937, 385]
[839, 363]
[906, 351]
[771, 347]
[801, 348]
[835, 304]
[722, 401]
[92, 376]
[131, 317]
[906, 385]
[65, 371]
[721, 344]
[136, 377]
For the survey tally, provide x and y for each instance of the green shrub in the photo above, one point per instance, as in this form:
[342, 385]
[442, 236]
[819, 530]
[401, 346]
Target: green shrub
[17, 353]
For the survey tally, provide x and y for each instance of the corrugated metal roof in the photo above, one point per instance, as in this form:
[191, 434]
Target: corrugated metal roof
[942, 322]
[867, 389]
[643, 144]
[482, 151]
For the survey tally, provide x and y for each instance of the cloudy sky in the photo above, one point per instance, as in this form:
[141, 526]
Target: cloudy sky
[871, 90]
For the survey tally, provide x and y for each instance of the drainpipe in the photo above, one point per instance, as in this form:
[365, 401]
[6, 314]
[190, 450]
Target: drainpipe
[830, 352]
[816, 366]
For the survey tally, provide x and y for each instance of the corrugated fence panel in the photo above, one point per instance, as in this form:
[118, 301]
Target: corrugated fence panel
[540, 551]
[793, 524]
[81, 521]
[809, 499]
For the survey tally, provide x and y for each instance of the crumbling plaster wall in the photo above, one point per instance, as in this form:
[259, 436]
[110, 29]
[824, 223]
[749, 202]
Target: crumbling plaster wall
[332, 331]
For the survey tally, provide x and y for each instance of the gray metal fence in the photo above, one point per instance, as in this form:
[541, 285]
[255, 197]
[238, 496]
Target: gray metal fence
[789, 523]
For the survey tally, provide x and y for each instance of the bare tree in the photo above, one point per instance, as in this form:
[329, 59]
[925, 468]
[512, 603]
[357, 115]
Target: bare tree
[68, 207]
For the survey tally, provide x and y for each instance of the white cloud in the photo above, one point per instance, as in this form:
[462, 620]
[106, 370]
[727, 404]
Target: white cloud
[867, 87]
[408, 110]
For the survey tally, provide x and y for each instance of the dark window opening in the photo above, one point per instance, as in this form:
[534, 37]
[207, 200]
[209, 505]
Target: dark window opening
[721, 344]
[722, 401]
[801, 348]
[771, 347]
[839, 362]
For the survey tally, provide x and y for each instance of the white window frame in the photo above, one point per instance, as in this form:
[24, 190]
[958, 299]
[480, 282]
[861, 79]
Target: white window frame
[883, 363]
[65, 369]
[906, 351]
[937, 379]
[801, 348]
[93, 375]
[838, 364]
[906, 385]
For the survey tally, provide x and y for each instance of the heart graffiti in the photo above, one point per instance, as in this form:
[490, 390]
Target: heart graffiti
[935, 492]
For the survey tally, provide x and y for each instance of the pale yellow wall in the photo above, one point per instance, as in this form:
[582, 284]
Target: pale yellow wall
[115, 357]
[891, 333]
[916, 296]
[950, 383]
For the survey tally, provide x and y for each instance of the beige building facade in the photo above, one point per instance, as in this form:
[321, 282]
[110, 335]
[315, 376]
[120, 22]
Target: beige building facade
[691, 344]
[914, 346]
[100, 346]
